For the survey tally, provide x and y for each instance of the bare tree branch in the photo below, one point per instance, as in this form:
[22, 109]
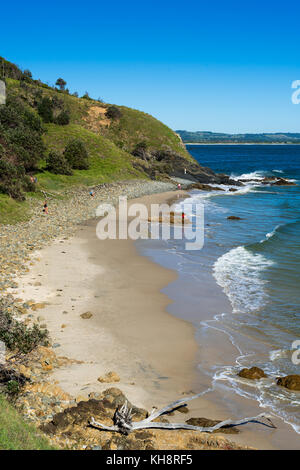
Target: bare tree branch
[123, 420]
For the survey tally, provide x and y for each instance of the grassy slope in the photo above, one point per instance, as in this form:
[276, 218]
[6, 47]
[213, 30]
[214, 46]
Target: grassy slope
[12, 211]
[109, 148]
[16, 434]
[107, 161]
[136, 126]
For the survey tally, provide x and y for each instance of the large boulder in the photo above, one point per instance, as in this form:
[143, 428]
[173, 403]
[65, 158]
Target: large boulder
[283, 182]
[292, 382]
[204, 187]
[253, 373]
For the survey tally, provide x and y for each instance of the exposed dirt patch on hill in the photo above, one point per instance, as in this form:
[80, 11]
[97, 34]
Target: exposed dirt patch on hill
[96, 118]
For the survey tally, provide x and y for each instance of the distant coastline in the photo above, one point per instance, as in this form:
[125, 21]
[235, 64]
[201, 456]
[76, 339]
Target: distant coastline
[220, 138]
[240, 143]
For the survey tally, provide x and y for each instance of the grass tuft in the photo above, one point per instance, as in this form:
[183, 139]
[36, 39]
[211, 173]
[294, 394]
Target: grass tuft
[16, 434]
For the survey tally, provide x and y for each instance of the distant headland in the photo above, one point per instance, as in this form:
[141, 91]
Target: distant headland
[206, 137]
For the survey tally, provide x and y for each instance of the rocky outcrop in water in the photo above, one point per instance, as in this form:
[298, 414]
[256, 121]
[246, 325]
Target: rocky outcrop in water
[292, 382]
[253, 373]
[283, 182]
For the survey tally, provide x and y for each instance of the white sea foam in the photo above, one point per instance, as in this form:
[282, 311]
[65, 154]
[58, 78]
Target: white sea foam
[254, 175]
[279, 354]
[270, 234]
[238, 273]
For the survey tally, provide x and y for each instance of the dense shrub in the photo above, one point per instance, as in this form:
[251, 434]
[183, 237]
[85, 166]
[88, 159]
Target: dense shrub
[13, 387]
[11, 180]
[16, 335]
[63, 118]
[86, 96]
[32, 121]
[9, 70]
[27, 145]
[21, 147]
[76, 155]
[28, 184]
[113, 112]
[57, 102]
[9, 117]
[140, 149]
[57, 164]
[45, 109]
[27, 74]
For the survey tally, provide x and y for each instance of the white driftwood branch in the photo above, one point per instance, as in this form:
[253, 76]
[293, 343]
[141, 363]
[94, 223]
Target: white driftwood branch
[123, 420]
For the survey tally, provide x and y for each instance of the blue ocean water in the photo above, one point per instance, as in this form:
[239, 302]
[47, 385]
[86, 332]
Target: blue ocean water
[256, 262]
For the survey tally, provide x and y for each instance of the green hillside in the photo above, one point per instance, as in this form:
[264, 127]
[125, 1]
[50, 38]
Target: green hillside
[38, 120]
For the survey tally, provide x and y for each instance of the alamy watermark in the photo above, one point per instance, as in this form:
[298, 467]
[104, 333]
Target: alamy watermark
[135, 221]
[296, 93]
[296, 354]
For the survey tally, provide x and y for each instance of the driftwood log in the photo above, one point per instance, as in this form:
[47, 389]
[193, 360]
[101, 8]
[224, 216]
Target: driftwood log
[123, 420]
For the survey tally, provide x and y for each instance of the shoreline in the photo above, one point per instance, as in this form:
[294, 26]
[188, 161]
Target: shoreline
[130, 332]
[76, 377]
[144, 379]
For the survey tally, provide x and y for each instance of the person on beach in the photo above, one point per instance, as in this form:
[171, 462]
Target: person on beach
[45, 210]
[179, 186]
[92, 194]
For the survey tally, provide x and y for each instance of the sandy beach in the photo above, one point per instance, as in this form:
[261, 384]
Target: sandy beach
[129, 330]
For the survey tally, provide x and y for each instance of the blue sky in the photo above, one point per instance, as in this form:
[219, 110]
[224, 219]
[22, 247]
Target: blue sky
[222, 66]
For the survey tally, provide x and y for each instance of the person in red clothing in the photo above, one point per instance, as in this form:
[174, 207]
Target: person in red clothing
[45, 207]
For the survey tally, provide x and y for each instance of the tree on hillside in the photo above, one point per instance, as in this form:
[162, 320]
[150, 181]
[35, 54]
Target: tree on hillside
[27, 73]
[63, 118]
[61, 83]
[45, 109]
[113, 112]
[86, 96]
[76, 155]
[57, 164]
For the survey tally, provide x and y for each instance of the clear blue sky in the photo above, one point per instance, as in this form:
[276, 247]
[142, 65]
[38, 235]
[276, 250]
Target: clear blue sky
[222, 66]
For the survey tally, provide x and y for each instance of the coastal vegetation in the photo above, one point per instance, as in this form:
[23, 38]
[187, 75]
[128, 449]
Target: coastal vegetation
[40, 126]
[16, 434]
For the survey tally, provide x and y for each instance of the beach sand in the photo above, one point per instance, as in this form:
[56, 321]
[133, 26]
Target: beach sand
[155, 354]
[130, 331]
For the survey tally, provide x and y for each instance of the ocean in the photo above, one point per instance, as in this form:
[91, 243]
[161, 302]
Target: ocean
[255, 261]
